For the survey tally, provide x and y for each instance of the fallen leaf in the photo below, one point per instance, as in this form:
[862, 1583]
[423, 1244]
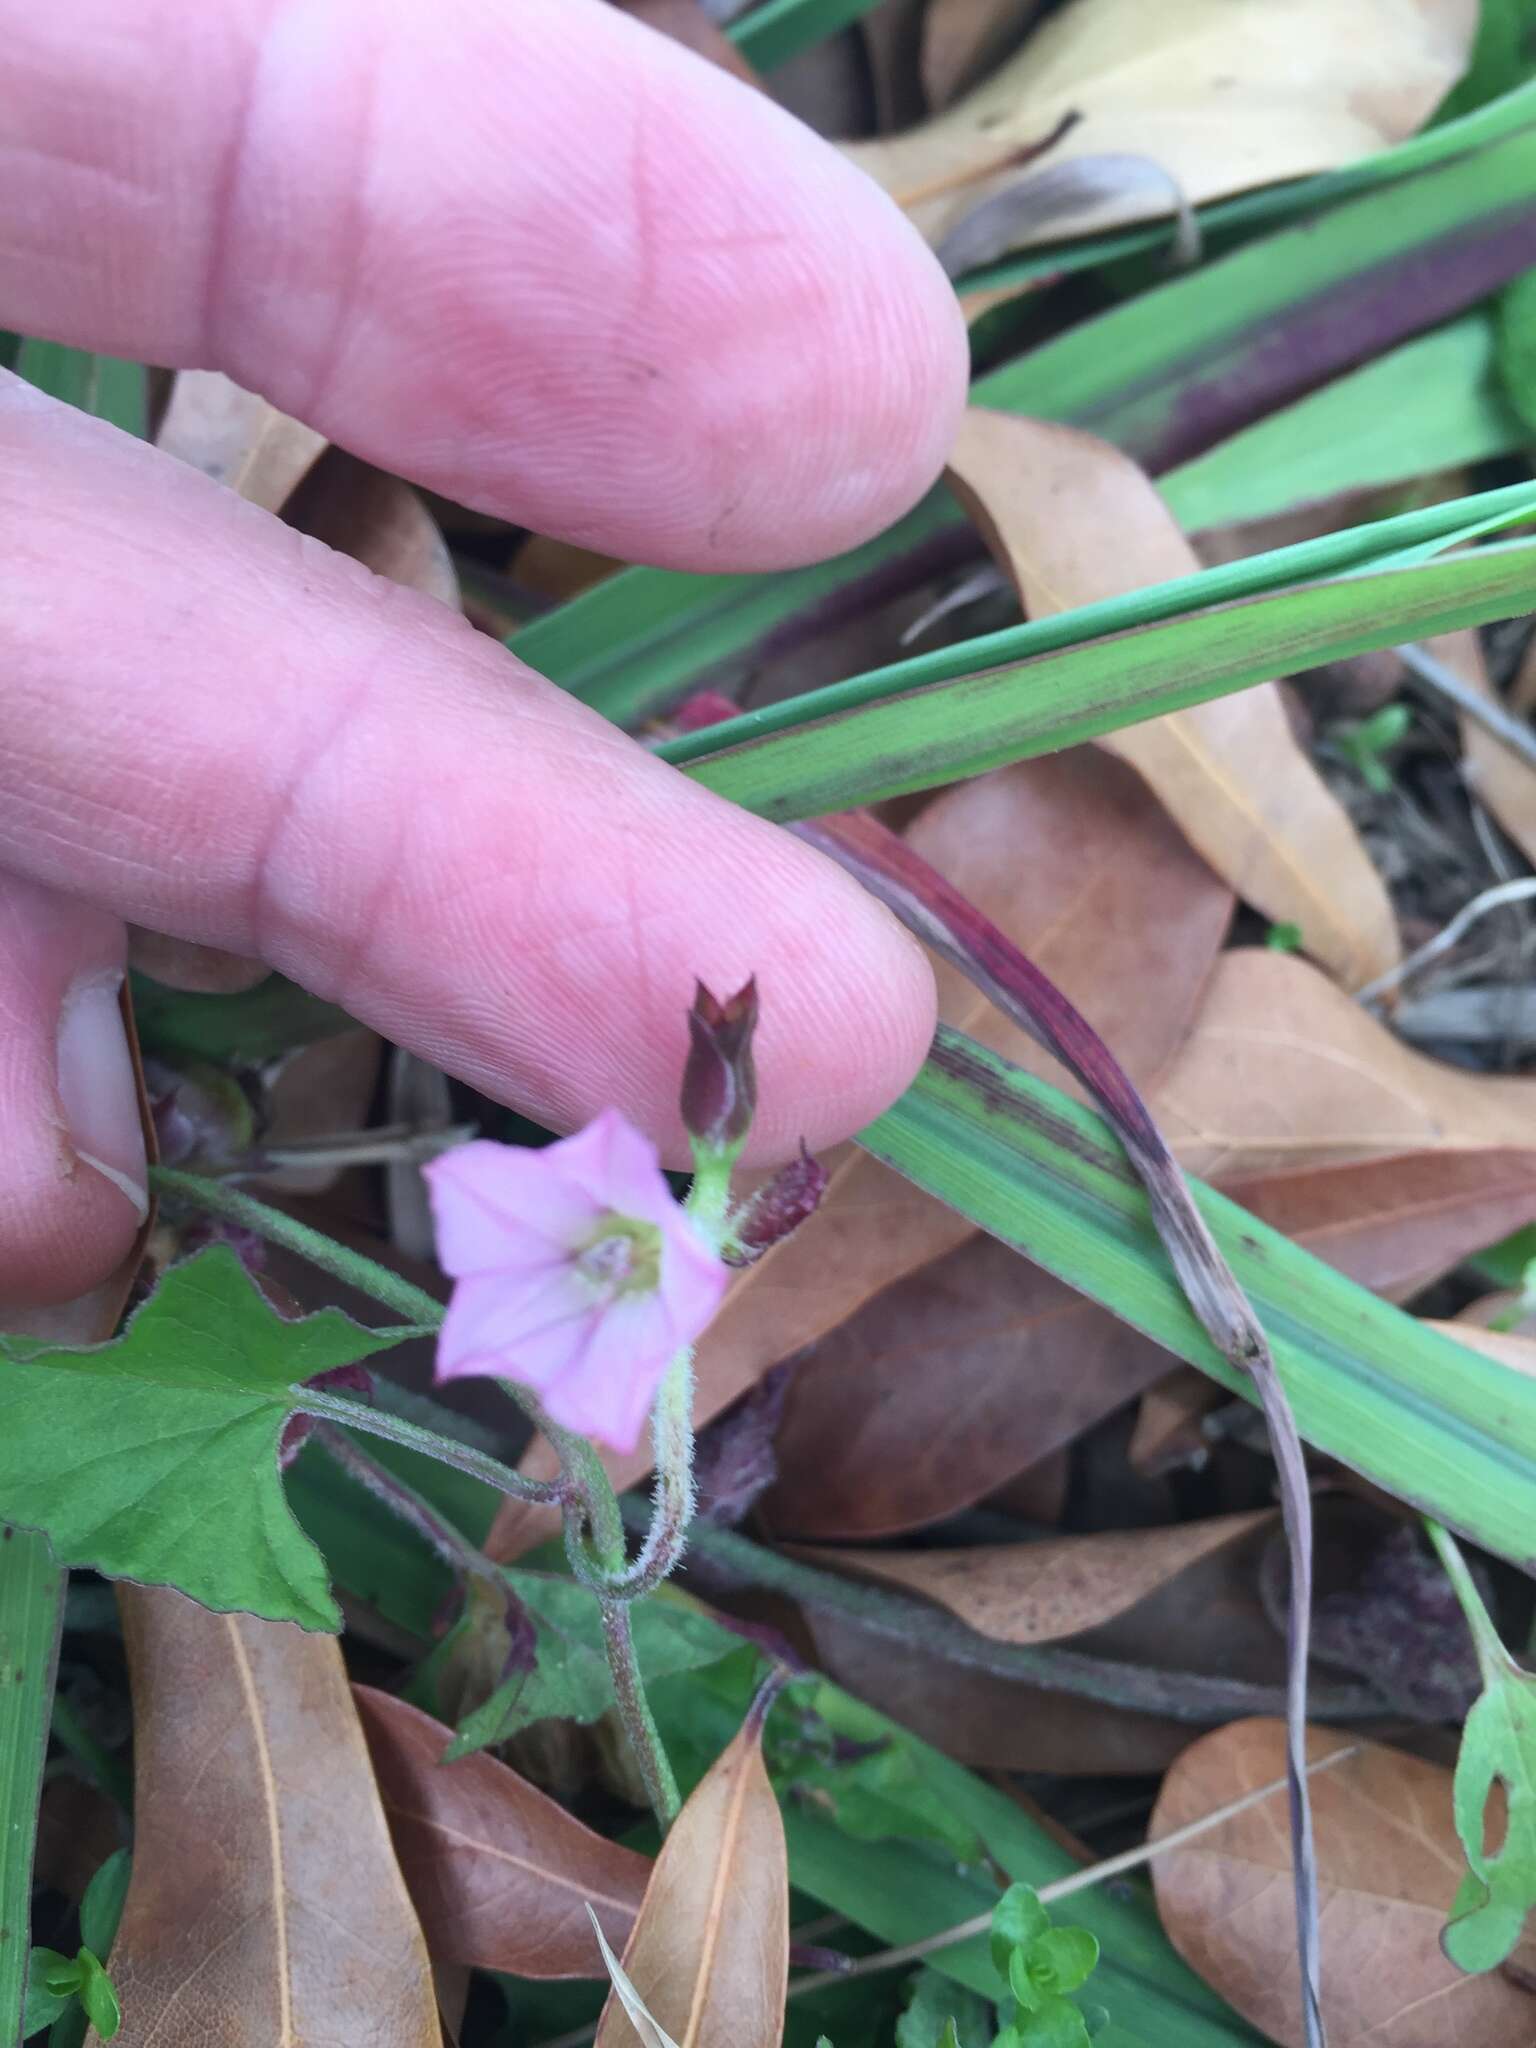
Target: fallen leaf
[1497, 777]
[1078, 864]
[266, 1905]
[969, 1371]
[1043, 1591]
[963, 39]
[1282, 1071]
[1396, 1224]
[237, 438]
[1207, 1620]
[500, 1875]
[376, 519]
[1168, 1436]
[1388, 1866]
[1072, 520]
[1222, 94]
[709, 1955]
[943, 1388]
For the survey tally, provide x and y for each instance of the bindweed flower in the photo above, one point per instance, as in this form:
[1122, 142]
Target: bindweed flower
[577, 1274]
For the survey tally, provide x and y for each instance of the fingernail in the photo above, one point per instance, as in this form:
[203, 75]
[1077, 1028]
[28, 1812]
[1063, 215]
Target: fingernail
[97, 1090]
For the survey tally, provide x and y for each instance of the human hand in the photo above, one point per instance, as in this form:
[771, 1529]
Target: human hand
[544, 262]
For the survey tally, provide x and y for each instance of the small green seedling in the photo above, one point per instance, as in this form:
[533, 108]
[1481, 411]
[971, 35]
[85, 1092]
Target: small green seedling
[1498, 1746]
[1041, 1965]
[67, 1993]
[1366, 743]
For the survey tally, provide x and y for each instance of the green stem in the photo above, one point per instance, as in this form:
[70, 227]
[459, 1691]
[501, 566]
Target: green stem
[356, 1270]
[395, 1429]
[1492, 1657]
[635, 1713]
[455, 1550]
[672, 1503]
[920, 1625]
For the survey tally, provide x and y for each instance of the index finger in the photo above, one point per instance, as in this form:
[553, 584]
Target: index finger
[533, 256]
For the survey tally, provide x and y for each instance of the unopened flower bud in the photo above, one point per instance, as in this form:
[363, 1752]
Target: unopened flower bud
[779, 1206]
[719, 1081]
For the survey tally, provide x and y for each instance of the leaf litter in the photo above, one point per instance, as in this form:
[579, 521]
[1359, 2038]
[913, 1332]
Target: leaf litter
[1209, 901]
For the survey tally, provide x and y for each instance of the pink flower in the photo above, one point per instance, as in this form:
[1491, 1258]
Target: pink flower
[578, 1274]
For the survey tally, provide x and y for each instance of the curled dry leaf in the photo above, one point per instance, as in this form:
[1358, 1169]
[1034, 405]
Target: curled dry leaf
[1073, 520]
[501, 1875]
[1077, 863]
[1282, 1071]
[266, 1904]
[376, 519]
[1223, 94]
[1388, 1866]
[709, 1956]
[1060, 1586]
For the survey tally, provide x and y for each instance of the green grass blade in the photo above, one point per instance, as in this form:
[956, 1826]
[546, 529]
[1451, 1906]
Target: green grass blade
[112, 390]
[1445, 1429]
[780, 29]
[1380, 544]
[31, 1616]
[952, 730]
[1432, 405]
[1168, 375]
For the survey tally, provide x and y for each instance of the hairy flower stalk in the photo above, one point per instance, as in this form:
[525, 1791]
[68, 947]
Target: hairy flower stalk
[581, 1285]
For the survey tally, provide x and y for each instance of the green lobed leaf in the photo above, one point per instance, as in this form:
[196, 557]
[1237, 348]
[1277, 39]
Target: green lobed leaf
[1444, 1428]
[154, 1457]
[1064, 1958]
[52, 1981]
[1054, 2023]
[571, 1679]
[98, 1997]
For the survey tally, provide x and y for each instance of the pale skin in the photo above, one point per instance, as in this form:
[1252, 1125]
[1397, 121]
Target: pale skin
[532, 256]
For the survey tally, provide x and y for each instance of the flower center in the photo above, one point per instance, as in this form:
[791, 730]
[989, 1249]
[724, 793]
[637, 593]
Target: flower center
[622, 1256]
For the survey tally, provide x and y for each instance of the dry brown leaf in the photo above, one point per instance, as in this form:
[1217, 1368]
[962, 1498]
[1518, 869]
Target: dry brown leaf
[971, 1370]
[378, 520]
[709, 1955]
[1168, 1433]
[1072, 520]
[1222, 95]
[266, 1905]
[1207, 1619]
[943, 1388]
[1283, 1071]
[1396, 1224]
[1388, 1867]
[1040, 1592]
[1078, 864]
[237, 438]
[501, 1876]
[1496, 776]
[963, 39]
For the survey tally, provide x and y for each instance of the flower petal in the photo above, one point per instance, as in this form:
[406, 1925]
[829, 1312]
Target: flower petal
[617, 1167]
[499, 1207]
[525, 1333]
[610, 1388]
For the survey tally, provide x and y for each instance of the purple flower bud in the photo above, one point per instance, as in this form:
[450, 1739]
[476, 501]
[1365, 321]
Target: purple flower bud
[719, 1081]
[778, 1207]
[340, 1379]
